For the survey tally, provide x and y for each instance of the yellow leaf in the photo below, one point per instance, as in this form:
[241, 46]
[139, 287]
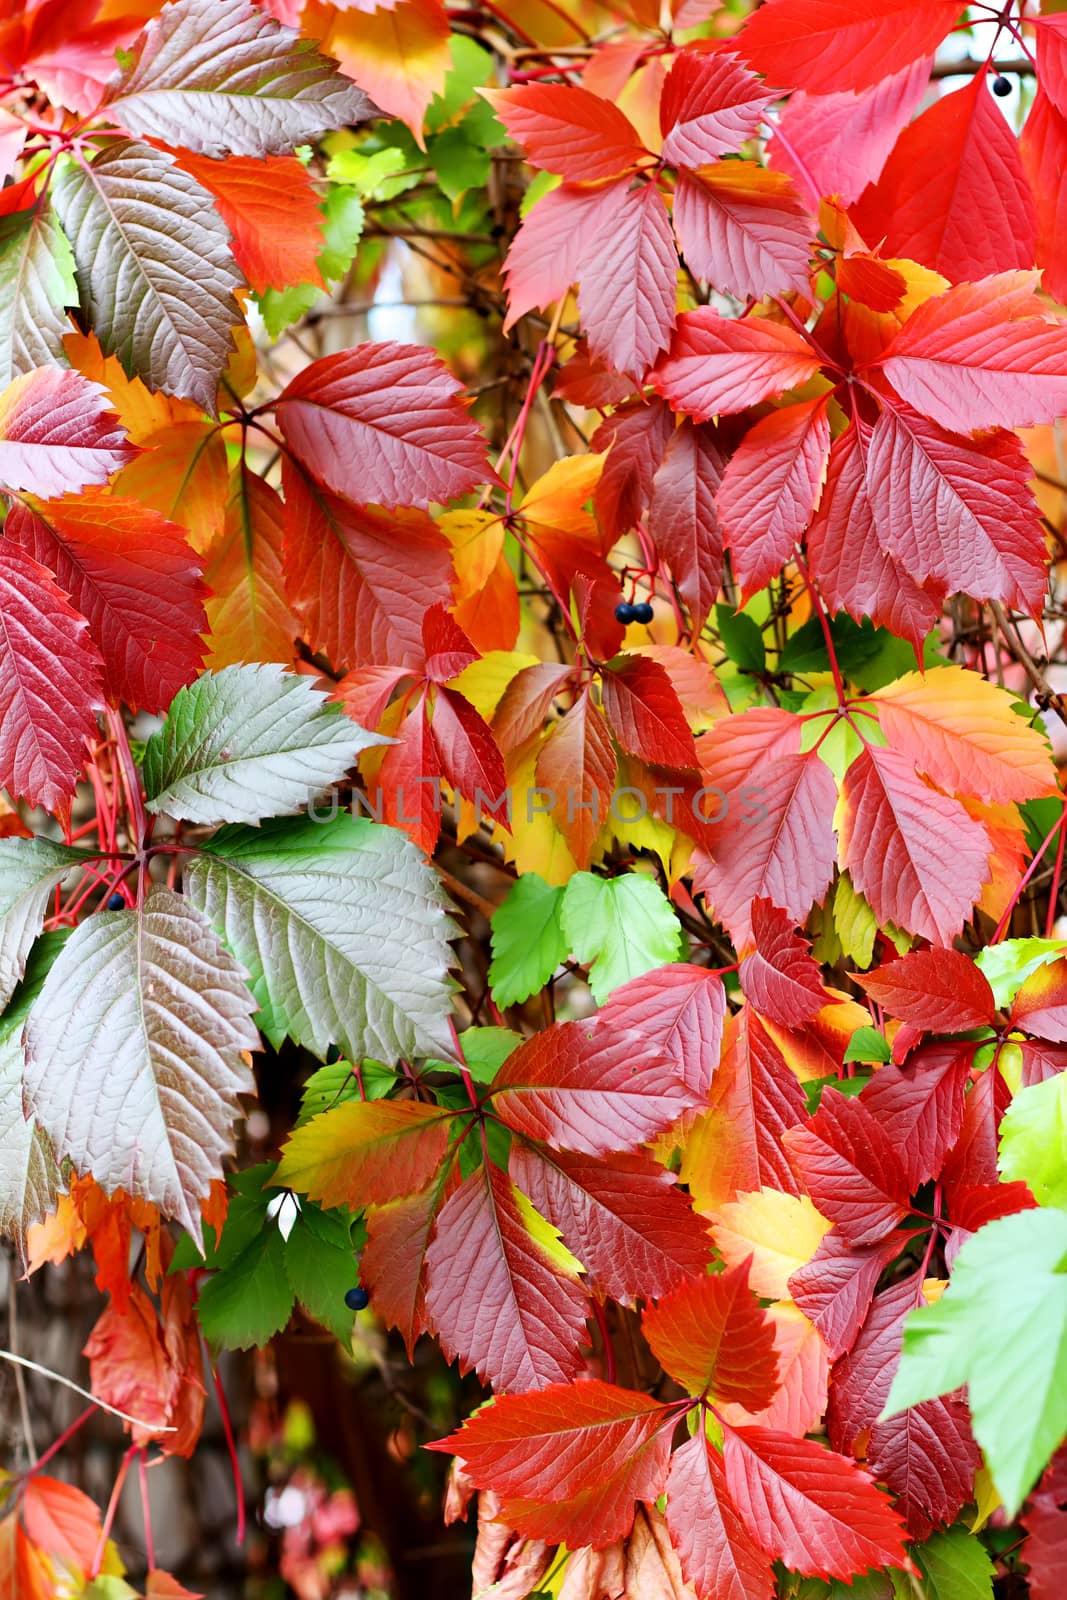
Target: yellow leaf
[855, 922]
[923, 283]
[477, 539]
[780, 1231]
[185, 475]
[534, 844]
[986, 1499]
[1007, 859]
[557, 499]
[248, 613]
[544, 1234]
[141, 412]
[817, 1048]
[483, 682]
[365, 1152]
[399, 56]
[486, 597]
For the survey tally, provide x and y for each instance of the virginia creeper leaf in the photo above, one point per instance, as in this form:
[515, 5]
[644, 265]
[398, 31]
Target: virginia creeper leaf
[618, 927]
[37, 284]
[366, 1152]
[528, 941]
[57, 433]
[714, 1339]
[848, 44]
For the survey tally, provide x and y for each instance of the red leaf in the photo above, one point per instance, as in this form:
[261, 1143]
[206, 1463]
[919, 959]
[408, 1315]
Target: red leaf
[467, 752]
[1052, 59]
[448, 649]
[637, 436]
[645, 714]
[527, 701]
[567, 130]
[383, 423]
[770, 489]
[57, 434]
[743, 228]
[714, 1339]
[577, 766]
[926, 211]
[779, 977]
[916, 854]
[61, 1521]
[366, 1152]
[847, 550]
[850, 1167]
[720, 364]
[718, 1555]
[679, 1009]
[920, 1105]
[710, 103]
[366, 691]
[973, 1158]
[838, 143]
[772, 837]
[981, 355]
[589, 1089]
[628, 280]
[805, 1506]
[970, 1207]
[588, 1439]
[408, 780]
[755, 1098]
[392, 1263]
[835, 1288]
[272, 210]
[1040, 1004]
[846, 44]
[361, 580]
[134, 578]
[625, 1219]
[495, 1298]
[1043, 148]
[940, 990]
[585, 381]
[860, 1381]
[50, 684]
[547, 253]
[1045, 1521]
[958, 511]
[682, 517]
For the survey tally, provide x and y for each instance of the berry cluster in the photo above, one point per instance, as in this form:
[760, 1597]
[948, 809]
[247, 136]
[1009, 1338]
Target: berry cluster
[641, 612]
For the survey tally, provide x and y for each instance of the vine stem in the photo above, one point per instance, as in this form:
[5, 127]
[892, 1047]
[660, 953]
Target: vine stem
[56, 1446]
[609, 1349]
[1002, 925]
[131, 779]
[146, 1510]
[231, 1448]
[112, 1508]
[824, 623]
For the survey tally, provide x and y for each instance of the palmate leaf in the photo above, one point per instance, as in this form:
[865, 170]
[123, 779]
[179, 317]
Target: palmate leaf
[155, 273]
[343, 928]
[57, 433]
[714, 1338]
[220, 77]
[29, 1173]
[136, 1053]
[246, 743]
[37, 283]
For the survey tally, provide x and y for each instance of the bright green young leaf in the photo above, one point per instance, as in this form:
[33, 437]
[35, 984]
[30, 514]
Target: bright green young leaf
[336, 1082]
[250, 1299]
[30, 869]
[29, 1174]
[867, 1044]
[343, 928]
[1000, 1328]
[486, 1050]
[527, 939]
[156, 275]
[1007, 965]
[137, 1050]
[1033, 1140]
[37, 284]
[342, 227]
[855, 923]
[246, 743]
[619, 927]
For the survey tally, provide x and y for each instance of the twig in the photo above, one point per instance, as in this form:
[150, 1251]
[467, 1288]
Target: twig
[86, 1394]
[1021, 654]
[20, 1382]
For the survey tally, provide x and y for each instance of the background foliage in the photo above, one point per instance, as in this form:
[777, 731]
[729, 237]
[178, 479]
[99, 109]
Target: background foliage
[530, 719]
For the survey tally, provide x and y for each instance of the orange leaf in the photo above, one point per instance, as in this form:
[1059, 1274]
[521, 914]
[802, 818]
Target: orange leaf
[400, 57]
[272, 211]
[62, 1521]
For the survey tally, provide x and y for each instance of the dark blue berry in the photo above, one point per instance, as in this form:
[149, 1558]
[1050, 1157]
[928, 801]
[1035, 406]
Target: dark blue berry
[643, 612]
[1001, 85]
[115, 902]
[357, 1299]
[624, 612]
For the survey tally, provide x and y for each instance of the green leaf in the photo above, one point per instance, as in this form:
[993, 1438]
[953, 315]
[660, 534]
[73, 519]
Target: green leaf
[527, 939]
[741, 639]
[321, 1267]
[342, 227]
[30, 869]
[29, 1173]
[486, 1050]
[336, 1082]
[37, 284]
[343, 928]
[621, 927]
[246, 743]
[855, 644]
[222, 78]
[136, 1053]
[251, 1298]
[1001, 1328]
[459, 162]
[1007, 965]
[855, 923]
[955, 1566]
[1033, 1140]
[156, 275]
[867, 1044]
